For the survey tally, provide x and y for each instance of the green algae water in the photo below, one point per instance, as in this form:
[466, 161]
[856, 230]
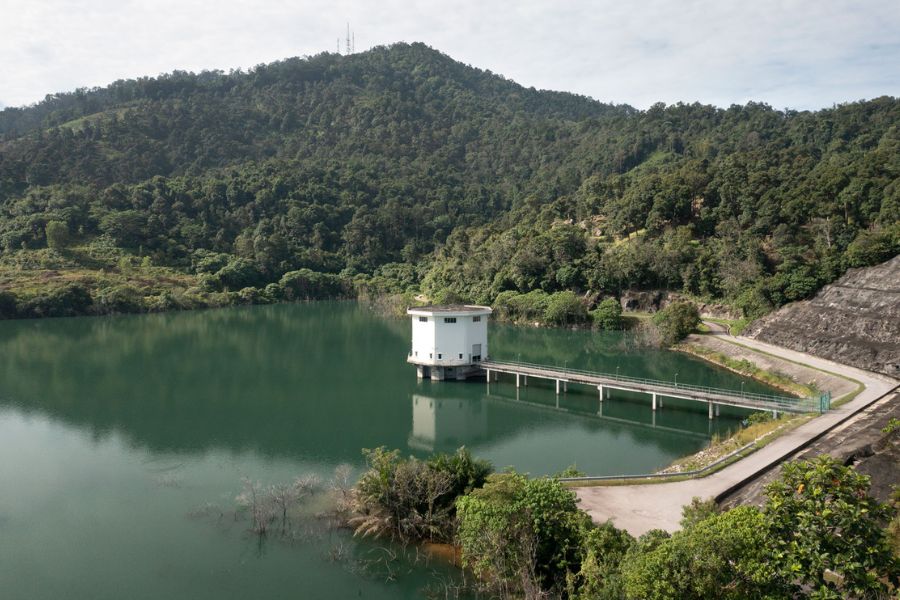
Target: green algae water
[113, 431]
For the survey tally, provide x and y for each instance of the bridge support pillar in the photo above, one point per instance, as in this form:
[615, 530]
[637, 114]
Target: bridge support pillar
[488, 373]
[525, 380]
[600, 389]
[557, 387]
[717, 409]
[710, 410]
[654, 401]
[565, 386]
[774, 414]
[517, 380]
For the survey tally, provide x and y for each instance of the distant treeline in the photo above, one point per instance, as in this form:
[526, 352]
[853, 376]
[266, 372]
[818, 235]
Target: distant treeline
[410, 171]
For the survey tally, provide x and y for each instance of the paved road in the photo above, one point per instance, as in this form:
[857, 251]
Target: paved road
[640, 508]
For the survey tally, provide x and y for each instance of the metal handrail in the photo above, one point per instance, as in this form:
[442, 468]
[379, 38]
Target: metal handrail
[812, 401]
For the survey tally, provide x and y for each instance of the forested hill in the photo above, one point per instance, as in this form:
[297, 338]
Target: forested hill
[403, 103]
[406, 169]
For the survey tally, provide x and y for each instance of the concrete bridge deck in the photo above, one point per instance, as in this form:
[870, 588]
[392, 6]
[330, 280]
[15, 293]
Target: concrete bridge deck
[655, 388]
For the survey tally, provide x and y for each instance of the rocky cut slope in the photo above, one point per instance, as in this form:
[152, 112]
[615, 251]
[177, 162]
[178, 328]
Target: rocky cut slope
[855, 320]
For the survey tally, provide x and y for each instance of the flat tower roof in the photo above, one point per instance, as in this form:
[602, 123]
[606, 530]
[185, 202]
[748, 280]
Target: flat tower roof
[449, 308]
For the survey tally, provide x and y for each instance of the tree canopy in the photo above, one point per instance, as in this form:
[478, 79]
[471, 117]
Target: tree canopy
[400, 155]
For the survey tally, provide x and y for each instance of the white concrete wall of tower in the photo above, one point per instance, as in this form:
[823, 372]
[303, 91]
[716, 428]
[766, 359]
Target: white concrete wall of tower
[448, 342]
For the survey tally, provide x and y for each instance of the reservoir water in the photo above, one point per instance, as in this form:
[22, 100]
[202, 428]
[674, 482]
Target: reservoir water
[113, 431]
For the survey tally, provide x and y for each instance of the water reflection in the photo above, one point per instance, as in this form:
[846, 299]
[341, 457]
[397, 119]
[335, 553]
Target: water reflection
[113, 429]
[320, 382]
[534, 427]
[446, 422]
[675, 420]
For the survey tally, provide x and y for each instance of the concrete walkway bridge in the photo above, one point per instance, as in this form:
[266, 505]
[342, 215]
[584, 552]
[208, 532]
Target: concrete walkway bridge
[713, 397]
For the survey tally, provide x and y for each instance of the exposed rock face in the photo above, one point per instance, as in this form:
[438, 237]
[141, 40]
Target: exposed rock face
[654, 300]
[636, 301]
[855, 321]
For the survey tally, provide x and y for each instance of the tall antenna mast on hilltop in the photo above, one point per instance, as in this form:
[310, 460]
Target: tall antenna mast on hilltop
[348, 43]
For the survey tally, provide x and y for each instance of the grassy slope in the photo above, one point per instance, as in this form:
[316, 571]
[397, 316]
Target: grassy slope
[102, 268]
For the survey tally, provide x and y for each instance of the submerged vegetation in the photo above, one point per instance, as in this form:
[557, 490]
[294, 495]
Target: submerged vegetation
[819, 534]
[401, 171]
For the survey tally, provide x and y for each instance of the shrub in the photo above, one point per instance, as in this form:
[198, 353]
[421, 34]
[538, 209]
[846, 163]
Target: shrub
[8, 305]
[603, 549]
[753, 303]
[466, 472]
[119, 299]
[126, 227]
[522, 532]
[205, 261]
[722, 556]
[503, 308]
[57, 234]
[872, 247]
[305, 284]
[237, 274]
[826, 532]
[676, 321]
[446, 296]
[565, 308]
[410, 499]
[698, 510]
[893, 528]
[252, 295]
[70, 300]
[273, 292]
[607, 315]
[531, 306]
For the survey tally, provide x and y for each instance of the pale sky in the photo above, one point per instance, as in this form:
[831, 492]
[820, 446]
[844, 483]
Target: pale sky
[791, 54]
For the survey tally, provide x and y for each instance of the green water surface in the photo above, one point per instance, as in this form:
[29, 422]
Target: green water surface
[113, 431]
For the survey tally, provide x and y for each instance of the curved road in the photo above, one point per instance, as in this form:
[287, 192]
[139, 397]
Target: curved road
[640, 508]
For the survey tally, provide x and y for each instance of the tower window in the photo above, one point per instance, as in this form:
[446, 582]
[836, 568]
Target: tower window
[449, 319]
[423, 319]
[476, 319]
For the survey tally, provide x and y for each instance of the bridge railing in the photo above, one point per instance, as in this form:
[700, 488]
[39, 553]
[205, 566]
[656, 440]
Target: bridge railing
[772, 401]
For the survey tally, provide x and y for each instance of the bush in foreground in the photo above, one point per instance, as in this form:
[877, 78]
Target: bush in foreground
[521, 535]
[819, 535]
[409, 499]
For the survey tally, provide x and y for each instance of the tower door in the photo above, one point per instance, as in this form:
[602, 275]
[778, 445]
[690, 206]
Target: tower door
[476, 352]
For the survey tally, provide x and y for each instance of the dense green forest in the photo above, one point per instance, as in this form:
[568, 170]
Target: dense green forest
[401, 170]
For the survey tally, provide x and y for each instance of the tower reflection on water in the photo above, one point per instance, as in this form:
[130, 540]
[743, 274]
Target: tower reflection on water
[446, 422]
